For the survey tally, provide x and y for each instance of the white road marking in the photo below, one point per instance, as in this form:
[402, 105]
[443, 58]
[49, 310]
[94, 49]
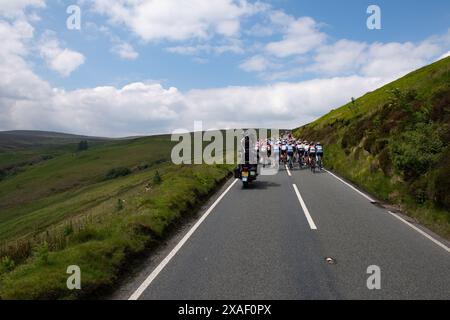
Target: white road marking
[348, 184]
[288, 171]
[162, 265]
[426, 235]
[440, 244]
[305, 209]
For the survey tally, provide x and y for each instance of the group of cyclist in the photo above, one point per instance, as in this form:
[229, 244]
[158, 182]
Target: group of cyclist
[290, 150]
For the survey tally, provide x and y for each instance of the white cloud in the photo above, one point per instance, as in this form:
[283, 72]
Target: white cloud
[396, 59]
[63, 61]
[231, 45]
[28, 102]
[178, 20]
[300, 36]
[16, 7]
[141, 108]
[17, 81]
[341, 57]
[374, 60]
[259, 30]
[125, 51]
[137, 108]
[255, 64]
[306, 50]
[280, 105]
[121, 48]
[445, 55]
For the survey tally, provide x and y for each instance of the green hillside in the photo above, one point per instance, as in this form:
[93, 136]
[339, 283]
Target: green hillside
[393, 143]
[95, 208]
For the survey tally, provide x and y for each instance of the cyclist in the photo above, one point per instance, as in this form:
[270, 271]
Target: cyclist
[301, 153]
[312, 155]
[290, 154]
[319, 154]
[306, 145]
[276, 151]
[263, 153]
[283, 152]
[257, 151]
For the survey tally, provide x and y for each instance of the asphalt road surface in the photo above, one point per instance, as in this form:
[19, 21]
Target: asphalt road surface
[272, 241]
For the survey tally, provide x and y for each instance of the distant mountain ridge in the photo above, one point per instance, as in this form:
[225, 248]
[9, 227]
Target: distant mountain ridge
[19, 139]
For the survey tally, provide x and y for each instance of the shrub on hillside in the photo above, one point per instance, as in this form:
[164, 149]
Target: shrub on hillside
[442, 182]
[385, 162]
[355, 133]
[6, 265]
[418, 190]
[42, 253]
[415, 151]
[441, 106]
[117, 173]
[119, 205]
[83, 146]
[157, 178]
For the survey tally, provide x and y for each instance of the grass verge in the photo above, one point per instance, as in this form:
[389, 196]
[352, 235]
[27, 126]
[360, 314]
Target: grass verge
[120, 229]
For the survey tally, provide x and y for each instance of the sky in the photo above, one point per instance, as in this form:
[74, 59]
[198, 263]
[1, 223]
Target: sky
[138, 67]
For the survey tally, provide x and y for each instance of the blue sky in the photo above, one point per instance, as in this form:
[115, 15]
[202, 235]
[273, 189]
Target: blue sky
[402, 21]
[141, 67]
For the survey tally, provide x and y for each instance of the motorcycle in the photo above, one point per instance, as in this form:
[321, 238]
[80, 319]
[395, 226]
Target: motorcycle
[247, 171]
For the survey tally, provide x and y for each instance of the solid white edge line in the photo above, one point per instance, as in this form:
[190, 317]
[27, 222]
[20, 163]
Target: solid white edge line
[305, 209]
[440, 244]
[288, 171]
[426, 235]
[161, 266]
[348, 184]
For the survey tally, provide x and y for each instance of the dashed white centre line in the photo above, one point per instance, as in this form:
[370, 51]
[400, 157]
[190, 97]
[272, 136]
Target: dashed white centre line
[312, 225]
[161, 266]
[288, 171]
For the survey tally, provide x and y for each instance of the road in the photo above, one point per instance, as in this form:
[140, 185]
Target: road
[272, 242]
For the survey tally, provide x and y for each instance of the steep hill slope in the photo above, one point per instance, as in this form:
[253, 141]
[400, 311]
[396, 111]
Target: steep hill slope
[394, 143]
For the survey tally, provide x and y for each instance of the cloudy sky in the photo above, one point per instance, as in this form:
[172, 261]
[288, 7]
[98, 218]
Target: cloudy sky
[152, 66]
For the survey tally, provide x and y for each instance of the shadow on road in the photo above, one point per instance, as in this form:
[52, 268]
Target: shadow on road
[262, 185]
